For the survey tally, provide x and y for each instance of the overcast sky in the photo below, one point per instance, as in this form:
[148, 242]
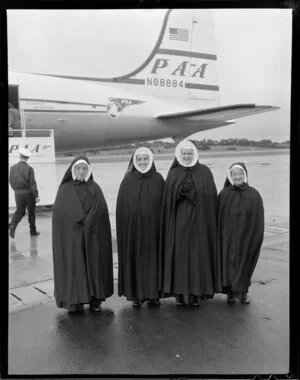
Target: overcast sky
[253, 48]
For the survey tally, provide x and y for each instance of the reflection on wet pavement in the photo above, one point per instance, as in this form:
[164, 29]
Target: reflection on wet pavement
[16, 250]
[214, 338]
[14, 253]
[33, 247]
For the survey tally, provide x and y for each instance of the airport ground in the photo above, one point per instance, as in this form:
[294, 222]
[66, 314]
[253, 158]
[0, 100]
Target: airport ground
[215, 338]
[212, 339]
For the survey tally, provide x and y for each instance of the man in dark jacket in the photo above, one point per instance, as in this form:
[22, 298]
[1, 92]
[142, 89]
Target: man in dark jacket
[22, 181]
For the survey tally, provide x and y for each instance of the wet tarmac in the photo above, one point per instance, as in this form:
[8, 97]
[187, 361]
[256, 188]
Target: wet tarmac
[212, 339]
[215, 338]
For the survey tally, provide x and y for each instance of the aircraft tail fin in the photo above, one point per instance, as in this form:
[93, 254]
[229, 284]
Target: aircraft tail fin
[183, 62]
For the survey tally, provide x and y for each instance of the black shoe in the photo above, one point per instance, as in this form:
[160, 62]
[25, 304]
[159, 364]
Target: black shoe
[95, 304]
[179, 301]
[95, 308]
[12, 231]
[194, 301]
[245, 299]
[34, 233]
[230, 297]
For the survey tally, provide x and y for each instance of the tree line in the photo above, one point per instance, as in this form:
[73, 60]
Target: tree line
[205, 144]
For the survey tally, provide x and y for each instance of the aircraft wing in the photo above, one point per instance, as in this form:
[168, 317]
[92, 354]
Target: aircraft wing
[225, 114]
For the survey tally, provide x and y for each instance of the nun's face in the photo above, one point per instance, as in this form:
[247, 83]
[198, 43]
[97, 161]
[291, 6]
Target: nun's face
[237, 176]
[81, 171]
[142, 161]
[187, 155]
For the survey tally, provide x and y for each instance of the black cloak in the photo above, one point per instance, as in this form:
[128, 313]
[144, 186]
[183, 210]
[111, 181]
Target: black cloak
[81, 240]
[240, 234]
[138, 221]
[188, 232]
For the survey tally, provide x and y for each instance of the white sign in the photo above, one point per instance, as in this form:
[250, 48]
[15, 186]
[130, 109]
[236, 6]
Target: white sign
[42, 148]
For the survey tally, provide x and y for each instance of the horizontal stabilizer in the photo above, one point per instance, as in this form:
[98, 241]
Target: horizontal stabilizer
[225, 114]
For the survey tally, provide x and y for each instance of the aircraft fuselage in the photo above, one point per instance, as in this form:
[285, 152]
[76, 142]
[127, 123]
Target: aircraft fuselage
[74, 130]
[89, 116]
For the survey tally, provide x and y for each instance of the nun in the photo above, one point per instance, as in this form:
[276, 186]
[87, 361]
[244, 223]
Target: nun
[81, 240]
[240, 233]
[188, 229]
[137, 221]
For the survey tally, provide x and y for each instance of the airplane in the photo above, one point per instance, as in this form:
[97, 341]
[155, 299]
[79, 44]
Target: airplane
[174, 93]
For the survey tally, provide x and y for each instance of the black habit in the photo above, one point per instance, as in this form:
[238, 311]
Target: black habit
[137, 220]
[240, 234]
[81, 238]
[188, 232]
